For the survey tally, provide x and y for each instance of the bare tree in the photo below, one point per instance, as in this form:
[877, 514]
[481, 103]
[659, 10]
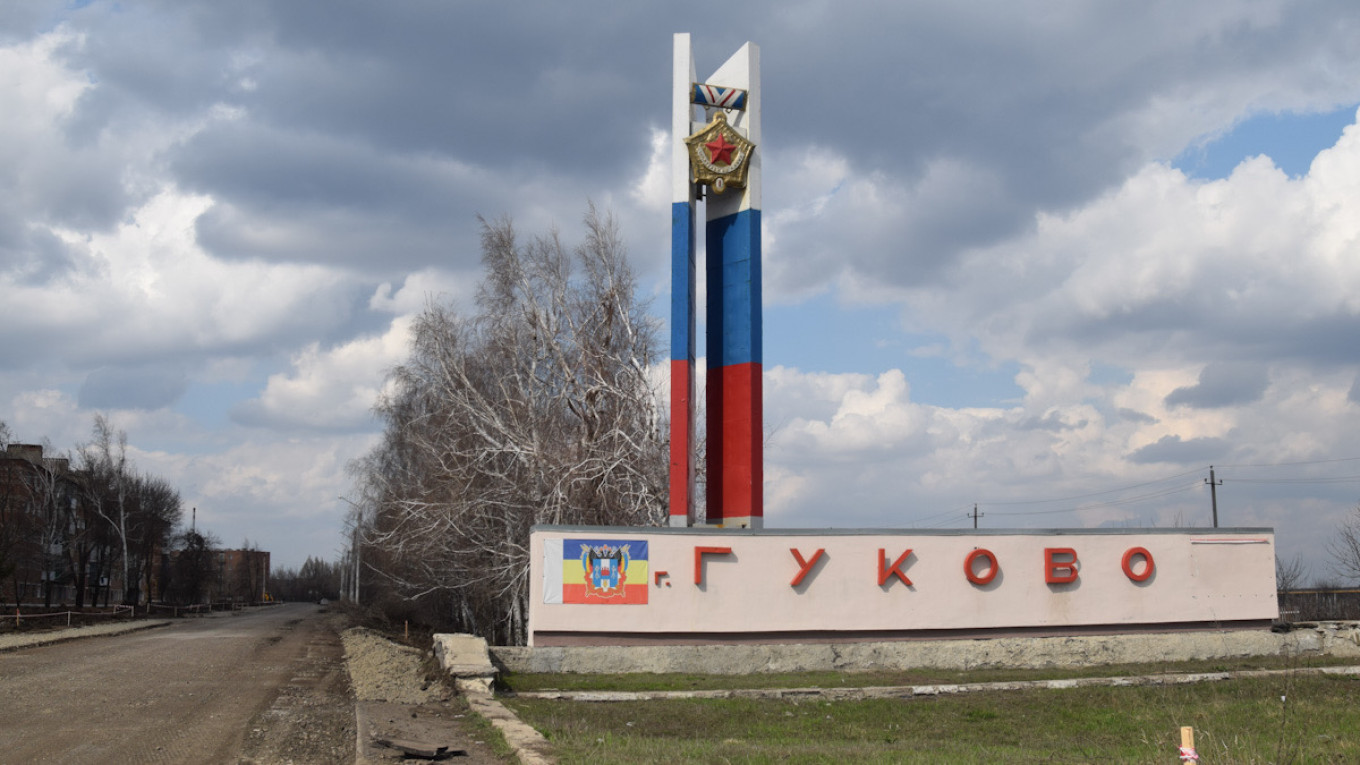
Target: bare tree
[54, 496]
[63, 525]
[1344, 547]
[139, 511]
[155, 509]
[193, 569]
[104, 464]
[538, 408]
[1289, 574]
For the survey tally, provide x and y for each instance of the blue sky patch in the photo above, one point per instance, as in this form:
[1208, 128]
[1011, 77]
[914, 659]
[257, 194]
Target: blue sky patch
[1291, 140]
[821, 335]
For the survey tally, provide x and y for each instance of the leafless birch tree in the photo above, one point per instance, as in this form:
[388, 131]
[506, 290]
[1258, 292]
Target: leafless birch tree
[1344, 547]
[104, 465]
[139, 511]
[536, 409]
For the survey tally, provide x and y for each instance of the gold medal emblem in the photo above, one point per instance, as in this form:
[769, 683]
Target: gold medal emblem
[719, 156]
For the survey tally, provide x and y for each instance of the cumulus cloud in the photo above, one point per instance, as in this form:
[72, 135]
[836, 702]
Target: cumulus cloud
[865, 454]
[197, 198]
[146, 386]
[422, 287]
[1166, 270]
[1222, 384]
[145, 288]
[334, 389]
[1173, 449]
[280, 493]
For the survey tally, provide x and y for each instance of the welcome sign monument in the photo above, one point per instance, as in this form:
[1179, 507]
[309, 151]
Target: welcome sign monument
[733, 581]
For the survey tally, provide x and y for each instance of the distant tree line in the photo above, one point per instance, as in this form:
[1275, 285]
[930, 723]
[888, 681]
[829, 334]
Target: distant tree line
[87, 528]
[537, 407]
[314, 580]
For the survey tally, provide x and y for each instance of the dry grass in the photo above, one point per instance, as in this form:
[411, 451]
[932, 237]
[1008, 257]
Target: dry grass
[1242, 720]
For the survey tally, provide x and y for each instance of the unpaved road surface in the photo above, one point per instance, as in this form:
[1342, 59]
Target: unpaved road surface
[260, 687]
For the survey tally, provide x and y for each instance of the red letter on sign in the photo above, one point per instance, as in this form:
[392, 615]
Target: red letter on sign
[894, 570]
[1127, 564]
[699, 553]
[1052, 565]
[805, 566]
[992, 567]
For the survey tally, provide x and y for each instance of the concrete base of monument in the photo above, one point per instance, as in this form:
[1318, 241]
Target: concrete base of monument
[576, 639]
[1013, 652]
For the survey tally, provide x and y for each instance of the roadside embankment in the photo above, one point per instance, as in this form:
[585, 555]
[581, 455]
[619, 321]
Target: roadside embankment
[398, 711]
[17, 640]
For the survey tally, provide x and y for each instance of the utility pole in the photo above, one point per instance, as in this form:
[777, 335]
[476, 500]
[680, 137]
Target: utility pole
[974, 515]
[1213, 493]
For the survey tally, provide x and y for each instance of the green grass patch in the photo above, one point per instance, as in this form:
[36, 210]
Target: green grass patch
[481, 729]
[515, 682]
[1241, 721]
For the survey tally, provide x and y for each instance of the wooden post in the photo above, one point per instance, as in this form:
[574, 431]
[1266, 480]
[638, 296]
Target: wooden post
[1188, 753]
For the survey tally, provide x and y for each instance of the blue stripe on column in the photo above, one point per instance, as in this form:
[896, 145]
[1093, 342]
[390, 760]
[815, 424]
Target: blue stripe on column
[734, 295]
[682, 281]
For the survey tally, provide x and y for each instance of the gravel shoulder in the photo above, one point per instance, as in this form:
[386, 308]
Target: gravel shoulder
[13, 641]
[396, 703]
[313, 692]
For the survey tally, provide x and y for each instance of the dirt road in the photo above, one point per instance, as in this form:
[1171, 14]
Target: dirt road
[266, 686]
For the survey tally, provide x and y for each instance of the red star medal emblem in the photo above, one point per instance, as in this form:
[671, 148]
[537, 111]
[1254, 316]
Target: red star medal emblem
[720, 151]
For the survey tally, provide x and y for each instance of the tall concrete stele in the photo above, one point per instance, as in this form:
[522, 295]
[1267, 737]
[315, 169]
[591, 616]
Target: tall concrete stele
[717, 159]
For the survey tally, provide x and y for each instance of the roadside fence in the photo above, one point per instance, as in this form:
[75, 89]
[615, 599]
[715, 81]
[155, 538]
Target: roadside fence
[197, 609]
[1320, 604]
[115, 612]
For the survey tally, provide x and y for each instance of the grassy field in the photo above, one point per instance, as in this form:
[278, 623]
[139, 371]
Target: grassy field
[1285, 718]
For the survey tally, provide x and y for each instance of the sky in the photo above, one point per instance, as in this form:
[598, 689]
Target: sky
[1051, 260]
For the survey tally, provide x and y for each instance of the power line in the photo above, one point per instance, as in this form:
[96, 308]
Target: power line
[1198, 471]
[1112, 503]
[942, 524]
[1094, 493]
[949, 513]
[946, 518]
[1296, 464]
[1304, 481]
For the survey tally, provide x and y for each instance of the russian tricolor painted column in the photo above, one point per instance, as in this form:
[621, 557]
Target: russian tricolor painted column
[734, 454]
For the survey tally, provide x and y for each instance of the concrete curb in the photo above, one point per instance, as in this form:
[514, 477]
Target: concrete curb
[911, 691]
[467, 660]
[20, 642]
[528, 744]
[360, 727]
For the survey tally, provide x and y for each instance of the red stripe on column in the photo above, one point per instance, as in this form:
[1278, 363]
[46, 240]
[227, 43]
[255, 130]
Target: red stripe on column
[682, 442]
[735, 460]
